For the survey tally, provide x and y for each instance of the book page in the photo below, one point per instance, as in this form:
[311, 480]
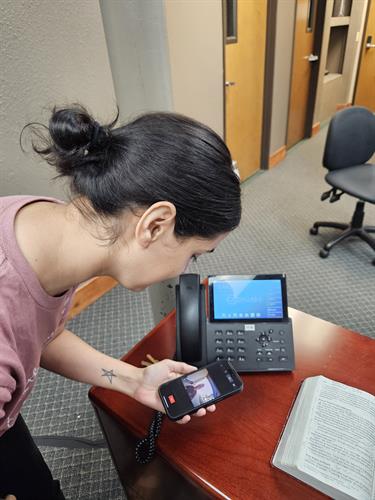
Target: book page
[339, 443]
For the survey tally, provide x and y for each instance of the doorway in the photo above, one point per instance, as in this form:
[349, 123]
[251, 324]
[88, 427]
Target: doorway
[365, 89]
[308, 32]
[244, 64]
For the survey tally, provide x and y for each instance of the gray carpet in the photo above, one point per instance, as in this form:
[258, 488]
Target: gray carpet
[279, 208]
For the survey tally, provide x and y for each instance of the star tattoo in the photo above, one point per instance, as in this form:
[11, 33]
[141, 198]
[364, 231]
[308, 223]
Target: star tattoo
[109, 374]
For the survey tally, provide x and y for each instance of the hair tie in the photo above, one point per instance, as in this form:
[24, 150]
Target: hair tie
[95, 132]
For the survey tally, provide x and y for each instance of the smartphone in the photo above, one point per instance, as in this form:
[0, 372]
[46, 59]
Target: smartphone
[198, 389]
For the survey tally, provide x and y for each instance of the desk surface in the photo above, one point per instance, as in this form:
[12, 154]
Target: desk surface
[228, 452]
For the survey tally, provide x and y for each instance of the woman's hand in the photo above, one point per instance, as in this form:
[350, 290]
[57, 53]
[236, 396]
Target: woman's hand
[155, 375]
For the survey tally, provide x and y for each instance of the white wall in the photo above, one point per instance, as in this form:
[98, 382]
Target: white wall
[195, 39]
[285, 21]
[167, 55]
[138, 51]
[51, 52]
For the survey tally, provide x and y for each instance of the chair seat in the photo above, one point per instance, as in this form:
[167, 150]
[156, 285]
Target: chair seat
[358, 181]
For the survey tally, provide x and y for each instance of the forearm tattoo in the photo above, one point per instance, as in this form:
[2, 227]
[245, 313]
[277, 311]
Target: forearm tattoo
[109, 374]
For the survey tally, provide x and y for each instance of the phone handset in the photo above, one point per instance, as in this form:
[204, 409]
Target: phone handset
[191, 320]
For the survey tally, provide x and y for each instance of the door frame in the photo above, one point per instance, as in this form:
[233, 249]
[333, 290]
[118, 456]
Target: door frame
[314, 76]
[320, 12]
[268, 80]
[269, 66]
[362, 51]
[224, 20]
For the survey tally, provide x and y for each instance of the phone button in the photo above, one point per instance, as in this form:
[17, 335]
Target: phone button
[219, 349]
[241, 358]
[240, 341]
[218, 332]
[230, 341]
[218, 341]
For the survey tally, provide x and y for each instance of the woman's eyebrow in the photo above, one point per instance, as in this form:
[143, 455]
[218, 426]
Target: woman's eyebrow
[210, 251]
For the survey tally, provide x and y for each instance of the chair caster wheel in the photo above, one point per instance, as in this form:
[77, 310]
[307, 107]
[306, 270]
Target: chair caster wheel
[323, 253]
[313, 230]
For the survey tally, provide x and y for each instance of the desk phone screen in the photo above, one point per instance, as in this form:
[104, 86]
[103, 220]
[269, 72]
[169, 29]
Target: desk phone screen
[247, 298]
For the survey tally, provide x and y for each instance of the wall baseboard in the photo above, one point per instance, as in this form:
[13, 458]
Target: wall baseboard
[315, 129]
[276, 157]
[89, 292]
[343, 106]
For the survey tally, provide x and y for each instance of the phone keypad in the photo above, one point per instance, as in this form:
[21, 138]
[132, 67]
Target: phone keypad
[256, 348]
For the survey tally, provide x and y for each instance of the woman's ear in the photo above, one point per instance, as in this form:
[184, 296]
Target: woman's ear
[156, 222]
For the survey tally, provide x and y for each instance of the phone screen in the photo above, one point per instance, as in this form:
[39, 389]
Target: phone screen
[248, 298]
[198, 389]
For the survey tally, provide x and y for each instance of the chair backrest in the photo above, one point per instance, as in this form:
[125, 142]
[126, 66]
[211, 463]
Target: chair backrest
[350, 138]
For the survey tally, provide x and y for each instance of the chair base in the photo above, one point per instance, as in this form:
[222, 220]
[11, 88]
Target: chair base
[355, 228]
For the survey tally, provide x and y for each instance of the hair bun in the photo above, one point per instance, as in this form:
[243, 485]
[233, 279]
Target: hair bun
[73, 140]
[71, 129]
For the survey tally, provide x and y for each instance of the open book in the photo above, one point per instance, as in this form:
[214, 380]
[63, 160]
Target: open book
[329, 439]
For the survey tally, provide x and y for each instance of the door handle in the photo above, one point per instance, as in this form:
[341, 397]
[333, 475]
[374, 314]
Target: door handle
[369, 44]
[312, 58]
[230, 84]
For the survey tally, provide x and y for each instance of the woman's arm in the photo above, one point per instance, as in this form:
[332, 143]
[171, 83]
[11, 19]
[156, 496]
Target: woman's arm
[73, 358]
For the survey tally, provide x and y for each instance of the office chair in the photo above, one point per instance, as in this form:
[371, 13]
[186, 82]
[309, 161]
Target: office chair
[349, 145]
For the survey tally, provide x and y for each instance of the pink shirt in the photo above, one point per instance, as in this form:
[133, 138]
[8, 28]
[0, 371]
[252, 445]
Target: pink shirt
[29, 317]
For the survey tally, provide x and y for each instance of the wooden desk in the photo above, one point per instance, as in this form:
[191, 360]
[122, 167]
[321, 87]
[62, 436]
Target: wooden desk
[227, 454]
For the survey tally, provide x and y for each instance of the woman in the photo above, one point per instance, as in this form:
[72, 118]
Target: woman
[147, 198]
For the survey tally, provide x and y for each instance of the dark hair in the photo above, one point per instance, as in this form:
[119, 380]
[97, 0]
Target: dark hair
[157, 156]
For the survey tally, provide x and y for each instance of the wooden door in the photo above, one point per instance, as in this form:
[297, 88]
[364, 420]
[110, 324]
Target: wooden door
[365, 91]
[301, 70]
[244, 75]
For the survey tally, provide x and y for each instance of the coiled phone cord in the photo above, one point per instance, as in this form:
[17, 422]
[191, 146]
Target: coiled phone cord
[145, 448]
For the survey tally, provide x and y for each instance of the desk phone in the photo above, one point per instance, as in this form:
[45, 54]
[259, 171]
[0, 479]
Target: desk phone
[241, 318]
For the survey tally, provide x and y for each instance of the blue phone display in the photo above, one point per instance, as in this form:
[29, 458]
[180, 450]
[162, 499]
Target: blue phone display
[248, 299]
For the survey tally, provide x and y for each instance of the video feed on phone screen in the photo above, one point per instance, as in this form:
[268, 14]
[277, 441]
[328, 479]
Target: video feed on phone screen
[200, 387]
